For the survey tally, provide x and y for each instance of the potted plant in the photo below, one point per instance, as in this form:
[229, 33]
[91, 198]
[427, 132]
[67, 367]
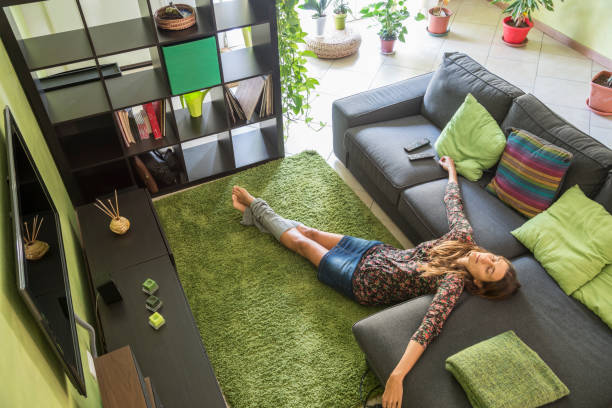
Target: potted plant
[390, 15]
[439, 17]
[340, 12]
[319, 7]
[519, 21]
[600, 99]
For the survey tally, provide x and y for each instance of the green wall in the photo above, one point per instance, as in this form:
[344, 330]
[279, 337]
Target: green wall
[30, 374]
[588, 22]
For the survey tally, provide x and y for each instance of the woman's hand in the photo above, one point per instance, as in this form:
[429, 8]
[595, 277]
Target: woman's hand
[448, 164]
[392, 397]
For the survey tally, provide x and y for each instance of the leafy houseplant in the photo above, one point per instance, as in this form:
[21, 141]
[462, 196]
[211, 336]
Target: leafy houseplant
[519, 21]
[600, 99]
[439, 17]
[319, 7]
[296, 85]
[341, 9]
[390, 15]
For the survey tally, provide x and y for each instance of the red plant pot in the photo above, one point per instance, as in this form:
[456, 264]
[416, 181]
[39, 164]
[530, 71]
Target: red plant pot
[600, 100]
[516, 35]
[438, 24]
[386, 46]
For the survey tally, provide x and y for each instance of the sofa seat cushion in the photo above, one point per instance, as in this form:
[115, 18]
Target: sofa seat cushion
[459, 75]
[492, 220]
[592, 160]
[378, 150]
[572, 340]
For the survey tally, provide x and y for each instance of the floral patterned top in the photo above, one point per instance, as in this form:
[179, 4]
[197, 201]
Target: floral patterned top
[386, 275]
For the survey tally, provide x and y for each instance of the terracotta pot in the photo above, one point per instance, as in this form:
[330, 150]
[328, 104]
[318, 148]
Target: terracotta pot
[515, 35]
[320, 25]
[340, 21]
[600, 100]
[386, 46]
[438, 24]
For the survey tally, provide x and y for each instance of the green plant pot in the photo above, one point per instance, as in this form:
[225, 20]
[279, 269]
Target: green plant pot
[340, 21]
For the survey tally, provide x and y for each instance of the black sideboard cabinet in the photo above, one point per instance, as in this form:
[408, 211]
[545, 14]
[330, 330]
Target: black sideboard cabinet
[173, 356]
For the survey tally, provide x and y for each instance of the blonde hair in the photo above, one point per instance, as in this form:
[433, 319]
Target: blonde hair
[444, 260]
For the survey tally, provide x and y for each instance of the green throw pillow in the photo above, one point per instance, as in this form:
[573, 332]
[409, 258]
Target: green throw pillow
[504, 372]
[572, 239]
[597, 295]
[472, 138]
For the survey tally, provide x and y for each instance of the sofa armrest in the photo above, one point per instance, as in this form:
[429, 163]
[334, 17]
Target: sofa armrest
[376, 105]
[604, 197]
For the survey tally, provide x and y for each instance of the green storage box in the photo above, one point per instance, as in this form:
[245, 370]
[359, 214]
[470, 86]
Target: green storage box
[192, 65]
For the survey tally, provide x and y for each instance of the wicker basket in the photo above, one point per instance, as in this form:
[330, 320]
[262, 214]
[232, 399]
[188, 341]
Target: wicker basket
[175, 24]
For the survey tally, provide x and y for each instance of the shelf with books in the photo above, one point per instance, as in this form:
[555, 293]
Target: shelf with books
[256, 143]
[250, 101]
[103, 179]
[240, 13]
[146, 127]
[246, 63]
[122, 36]
[208, 156]
[204, 26]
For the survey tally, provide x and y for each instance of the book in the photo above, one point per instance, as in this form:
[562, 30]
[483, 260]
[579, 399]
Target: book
[152, 118]
[248, 95]
[122, 130]
[133, 123]
[236, 112]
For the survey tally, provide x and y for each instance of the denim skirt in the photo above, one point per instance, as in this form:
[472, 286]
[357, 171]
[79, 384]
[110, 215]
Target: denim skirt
[338, 265]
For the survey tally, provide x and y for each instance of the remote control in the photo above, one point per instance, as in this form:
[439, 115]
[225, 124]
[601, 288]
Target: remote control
[415, 145]
[419, 156]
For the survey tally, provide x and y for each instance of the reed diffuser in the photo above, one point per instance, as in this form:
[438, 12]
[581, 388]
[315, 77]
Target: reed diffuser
[119, 225]
[34, 249]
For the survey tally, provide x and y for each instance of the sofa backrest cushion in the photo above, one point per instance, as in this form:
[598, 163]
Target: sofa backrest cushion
[459, 75]
[592, 160]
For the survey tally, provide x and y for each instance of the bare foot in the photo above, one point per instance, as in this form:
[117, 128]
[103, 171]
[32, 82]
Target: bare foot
[237, 204]
[243, 195]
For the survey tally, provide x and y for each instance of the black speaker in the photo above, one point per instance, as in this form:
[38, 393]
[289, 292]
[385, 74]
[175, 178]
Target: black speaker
[109, 292]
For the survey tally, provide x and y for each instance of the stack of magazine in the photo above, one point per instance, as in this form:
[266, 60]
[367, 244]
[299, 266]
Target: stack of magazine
[250, 96]
[142, 122]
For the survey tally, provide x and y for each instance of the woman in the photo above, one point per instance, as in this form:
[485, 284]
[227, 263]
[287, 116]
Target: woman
[373, 273]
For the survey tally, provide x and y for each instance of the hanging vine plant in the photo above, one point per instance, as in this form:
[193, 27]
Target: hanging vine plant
[296, 86]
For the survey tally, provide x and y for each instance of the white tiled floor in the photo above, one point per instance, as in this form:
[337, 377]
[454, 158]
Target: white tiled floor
[556, 74]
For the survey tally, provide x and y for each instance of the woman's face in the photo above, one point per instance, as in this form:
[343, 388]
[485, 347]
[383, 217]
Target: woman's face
[486, 267]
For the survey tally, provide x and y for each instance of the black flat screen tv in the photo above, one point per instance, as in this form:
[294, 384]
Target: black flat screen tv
[42, 279]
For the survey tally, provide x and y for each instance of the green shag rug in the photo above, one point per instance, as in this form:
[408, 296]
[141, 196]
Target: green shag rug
[276, 336]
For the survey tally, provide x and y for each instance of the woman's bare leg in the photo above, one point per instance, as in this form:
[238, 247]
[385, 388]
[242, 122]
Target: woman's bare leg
[304, 246]
[292, 238]
[326, 239]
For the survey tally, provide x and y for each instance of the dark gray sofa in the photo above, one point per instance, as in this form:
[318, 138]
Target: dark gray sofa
[370, 130]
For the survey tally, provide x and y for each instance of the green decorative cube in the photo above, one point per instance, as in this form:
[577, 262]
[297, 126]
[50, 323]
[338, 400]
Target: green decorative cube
[192, 65]
[149, 286]
[156, 320]
[153, 303]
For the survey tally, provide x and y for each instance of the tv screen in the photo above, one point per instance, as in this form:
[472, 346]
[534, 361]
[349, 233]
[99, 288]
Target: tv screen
[40, 265]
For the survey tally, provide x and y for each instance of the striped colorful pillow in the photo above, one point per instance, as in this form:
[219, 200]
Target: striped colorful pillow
[529, 173]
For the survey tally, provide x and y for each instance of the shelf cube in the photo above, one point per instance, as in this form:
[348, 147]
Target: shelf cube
[192, 65]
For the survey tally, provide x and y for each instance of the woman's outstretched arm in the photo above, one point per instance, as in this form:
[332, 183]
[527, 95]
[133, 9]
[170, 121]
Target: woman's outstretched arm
[394, 388]
[458, 224]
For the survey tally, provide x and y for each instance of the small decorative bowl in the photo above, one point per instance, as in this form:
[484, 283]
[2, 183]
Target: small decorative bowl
[175, 24]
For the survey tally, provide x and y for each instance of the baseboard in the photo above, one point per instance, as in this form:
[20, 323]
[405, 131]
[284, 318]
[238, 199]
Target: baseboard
[565, 40]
